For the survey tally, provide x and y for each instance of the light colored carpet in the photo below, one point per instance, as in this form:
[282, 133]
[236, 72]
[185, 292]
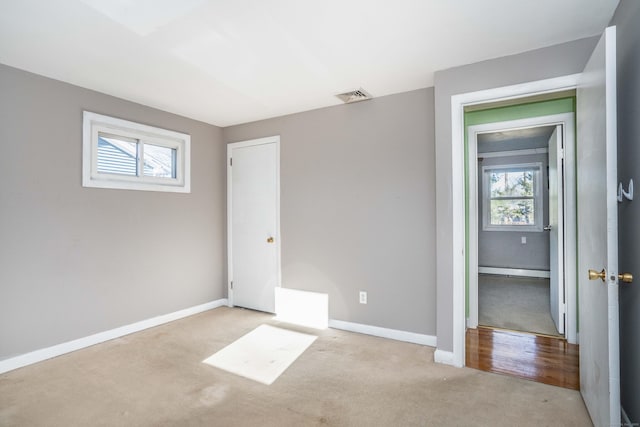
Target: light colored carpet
[263, 354]
[517, 303]
[156, 378]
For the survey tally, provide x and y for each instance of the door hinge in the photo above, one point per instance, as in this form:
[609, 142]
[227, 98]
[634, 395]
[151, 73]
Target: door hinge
[231, 161]
[564, 308]
[232, 284]
[561, 153]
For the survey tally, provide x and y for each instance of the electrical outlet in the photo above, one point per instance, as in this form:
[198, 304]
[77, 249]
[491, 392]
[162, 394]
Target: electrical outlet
[523, 240]
[363, 297]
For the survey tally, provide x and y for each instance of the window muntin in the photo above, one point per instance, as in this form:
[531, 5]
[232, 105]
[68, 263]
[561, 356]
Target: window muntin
[512, 197]
[127, 155]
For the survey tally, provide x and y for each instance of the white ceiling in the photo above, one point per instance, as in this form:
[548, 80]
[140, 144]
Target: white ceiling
[235, 61]
[537, 132]
[518, 139]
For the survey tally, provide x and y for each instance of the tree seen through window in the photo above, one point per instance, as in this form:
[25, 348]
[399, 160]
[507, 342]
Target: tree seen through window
[512, 196]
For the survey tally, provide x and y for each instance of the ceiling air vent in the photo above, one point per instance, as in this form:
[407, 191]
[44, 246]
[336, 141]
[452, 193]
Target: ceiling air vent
[354, 96]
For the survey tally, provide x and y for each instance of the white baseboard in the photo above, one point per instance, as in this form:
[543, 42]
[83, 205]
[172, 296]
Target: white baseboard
[444, 357]
[377, 331]
[543, 274]
[69, 346]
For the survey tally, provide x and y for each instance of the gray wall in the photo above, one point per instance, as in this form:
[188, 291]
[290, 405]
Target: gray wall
[627, 19]
[76, 261]
[505, 248]
[357, 207]
[554, 61]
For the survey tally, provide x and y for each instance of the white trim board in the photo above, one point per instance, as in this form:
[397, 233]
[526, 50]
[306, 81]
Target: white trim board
[445, 357]
[80, 343]
[376, 331]
[458, 102]
[521, 272]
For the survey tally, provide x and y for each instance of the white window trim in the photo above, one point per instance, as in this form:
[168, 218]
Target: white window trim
[94, 123]
[537, 197]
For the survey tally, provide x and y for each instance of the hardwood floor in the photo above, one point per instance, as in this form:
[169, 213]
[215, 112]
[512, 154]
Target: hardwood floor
[538, 358]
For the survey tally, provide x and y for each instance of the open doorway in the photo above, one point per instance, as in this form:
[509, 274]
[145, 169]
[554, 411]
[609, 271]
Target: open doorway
[521, 248]
[551, 96]
[514, 231]
[521, 177]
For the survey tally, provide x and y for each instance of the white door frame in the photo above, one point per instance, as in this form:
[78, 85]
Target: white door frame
[458, 103]
[567, 120]
[267, 140]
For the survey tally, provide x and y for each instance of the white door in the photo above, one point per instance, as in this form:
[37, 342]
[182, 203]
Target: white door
[598, 234]
[253, 212]
[556, 229]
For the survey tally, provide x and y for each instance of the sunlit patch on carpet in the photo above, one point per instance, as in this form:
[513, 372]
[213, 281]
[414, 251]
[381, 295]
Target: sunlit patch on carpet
[263, 354]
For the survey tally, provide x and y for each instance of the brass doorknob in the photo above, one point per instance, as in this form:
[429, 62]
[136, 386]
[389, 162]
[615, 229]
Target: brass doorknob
[270, 240]
[624, 277]
[593, 275]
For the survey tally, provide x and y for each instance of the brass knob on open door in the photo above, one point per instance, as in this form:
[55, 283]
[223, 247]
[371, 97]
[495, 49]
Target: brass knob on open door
[623, 277]
[270, 240]
[626, 277]
[593, 275]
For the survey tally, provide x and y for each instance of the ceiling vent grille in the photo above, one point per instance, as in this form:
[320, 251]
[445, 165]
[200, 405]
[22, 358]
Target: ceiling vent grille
[354, 96]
